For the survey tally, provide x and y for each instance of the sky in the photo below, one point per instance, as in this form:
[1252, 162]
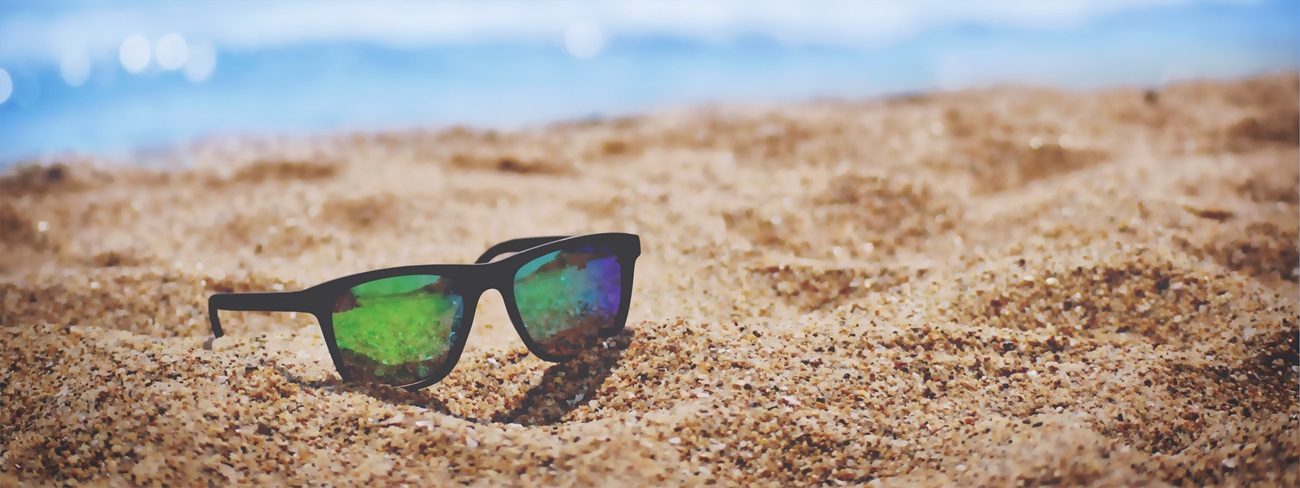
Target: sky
[117, 78]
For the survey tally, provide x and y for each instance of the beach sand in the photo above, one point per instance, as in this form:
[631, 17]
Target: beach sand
[988, 287]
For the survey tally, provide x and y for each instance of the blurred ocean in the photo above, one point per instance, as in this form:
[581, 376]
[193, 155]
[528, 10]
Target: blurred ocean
[107, 79]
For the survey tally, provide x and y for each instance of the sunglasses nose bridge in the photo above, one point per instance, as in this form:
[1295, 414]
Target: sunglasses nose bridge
[473, 288]
[501, 280]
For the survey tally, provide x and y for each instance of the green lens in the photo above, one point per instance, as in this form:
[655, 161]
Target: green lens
[566, 297]
[398, 330]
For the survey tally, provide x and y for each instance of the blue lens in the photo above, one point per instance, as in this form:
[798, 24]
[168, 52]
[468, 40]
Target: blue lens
[567, 297]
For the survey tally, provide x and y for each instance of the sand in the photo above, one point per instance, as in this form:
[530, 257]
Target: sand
[1004, 286]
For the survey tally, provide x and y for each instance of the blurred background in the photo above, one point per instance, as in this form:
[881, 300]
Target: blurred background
[117, 78]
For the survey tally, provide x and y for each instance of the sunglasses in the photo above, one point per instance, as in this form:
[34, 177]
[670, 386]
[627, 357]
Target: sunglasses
[407, 326]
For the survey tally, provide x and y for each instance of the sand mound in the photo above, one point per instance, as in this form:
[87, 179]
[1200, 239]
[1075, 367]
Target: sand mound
[1010, 285]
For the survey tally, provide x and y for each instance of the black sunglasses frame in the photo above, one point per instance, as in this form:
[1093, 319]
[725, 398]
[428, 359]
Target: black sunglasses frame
[469, 281]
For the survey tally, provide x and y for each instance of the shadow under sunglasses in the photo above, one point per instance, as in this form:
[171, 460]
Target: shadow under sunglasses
[546, 403]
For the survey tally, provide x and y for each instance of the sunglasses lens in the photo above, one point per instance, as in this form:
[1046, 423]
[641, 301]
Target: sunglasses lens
[566, 297]
[396, 331]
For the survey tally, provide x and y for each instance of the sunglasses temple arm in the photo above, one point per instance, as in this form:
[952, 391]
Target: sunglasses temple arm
[288, 301]
[514, 246]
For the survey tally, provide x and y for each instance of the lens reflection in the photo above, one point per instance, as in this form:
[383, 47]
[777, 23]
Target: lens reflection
[566, 297]
[396, 330]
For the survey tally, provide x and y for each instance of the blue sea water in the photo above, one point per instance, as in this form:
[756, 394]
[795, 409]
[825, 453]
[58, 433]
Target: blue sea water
[334, 85]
